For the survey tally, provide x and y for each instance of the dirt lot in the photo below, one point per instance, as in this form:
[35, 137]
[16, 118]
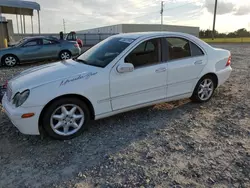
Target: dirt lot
[179, 144]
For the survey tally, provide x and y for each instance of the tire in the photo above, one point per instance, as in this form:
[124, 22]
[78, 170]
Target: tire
[9, 60]
[64, 55]
[204, 89]
[61, 124]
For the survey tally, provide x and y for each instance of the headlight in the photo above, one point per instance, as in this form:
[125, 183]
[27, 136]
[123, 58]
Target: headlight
[20, 98]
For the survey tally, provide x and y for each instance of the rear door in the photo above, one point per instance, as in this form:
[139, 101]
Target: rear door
[50, 48]
[185, 62]
[30, 50]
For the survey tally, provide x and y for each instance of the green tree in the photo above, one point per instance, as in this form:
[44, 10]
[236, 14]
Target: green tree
[242, 33]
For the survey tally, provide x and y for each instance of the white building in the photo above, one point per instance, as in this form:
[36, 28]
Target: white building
[126, 28]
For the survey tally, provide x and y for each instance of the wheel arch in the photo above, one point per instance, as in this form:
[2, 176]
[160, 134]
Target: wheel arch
[65, 50]
[2, 58]
[213, 76]
[82, 98]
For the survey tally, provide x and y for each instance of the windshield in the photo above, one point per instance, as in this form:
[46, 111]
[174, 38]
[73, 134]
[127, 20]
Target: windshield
[104, 52]
[21, 42]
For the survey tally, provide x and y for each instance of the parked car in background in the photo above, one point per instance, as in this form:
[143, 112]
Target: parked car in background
[121, 73]
[73, 37]
[38, 48]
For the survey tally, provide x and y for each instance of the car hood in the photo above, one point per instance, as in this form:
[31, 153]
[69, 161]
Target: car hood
[4, 50]
[45, 74]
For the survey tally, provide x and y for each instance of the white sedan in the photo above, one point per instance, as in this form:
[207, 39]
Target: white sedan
[121, 73]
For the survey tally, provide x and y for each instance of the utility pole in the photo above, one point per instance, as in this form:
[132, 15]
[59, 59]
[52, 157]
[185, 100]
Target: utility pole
[161, 12]
[215, 11]
[64, 26]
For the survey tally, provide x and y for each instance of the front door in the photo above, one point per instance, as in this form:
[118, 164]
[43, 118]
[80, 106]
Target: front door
[185, 63]
[30, 50]
[147, 83]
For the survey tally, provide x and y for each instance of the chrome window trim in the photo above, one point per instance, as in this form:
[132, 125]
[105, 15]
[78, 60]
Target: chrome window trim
[139, 40]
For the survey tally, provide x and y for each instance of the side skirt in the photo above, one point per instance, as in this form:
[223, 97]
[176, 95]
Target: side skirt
[178, 97]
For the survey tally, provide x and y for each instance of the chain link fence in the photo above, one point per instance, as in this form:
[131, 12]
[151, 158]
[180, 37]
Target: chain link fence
[89, 39]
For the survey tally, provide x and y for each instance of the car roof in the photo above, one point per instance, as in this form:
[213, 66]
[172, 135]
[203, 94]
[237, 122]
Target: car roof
[41, 37]
[137, 35]
[145, 35]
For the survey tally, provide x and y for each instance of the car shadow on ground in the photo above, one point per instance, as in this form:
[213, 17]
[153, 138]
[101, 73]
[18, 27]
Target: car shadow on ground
[104, 137]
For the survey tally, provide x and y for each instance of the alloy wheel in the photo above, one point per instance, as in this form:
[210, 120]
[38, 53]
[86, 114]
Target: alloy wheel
[65, 55]
[205, 89]
[67, 119]
[10, 61]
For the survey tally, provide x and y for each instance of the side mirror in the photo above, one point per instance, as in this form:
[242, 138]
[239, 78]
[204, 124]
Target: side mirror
[126, 67]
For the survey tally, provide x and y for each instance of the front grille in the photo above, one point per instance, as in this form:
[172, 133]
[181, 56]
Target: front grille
[9, 93]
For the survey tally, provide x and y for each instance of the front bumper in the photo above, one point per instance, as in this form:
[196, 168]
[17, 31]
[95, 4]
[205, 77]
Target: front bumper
[24, 125]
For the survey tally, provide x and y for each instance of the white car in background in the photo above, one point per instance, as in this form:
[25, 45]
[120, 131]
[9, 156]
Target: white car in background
[121, 73]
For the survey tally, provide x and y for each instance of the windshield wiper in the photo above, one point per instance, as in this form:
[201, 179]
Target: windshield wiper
[85, 62]
[82, 61]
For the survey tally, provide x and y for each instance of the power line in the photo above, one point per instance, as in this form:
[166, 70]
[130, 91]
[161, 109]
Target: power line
[142, 6]
[143, 15]
[147, 14]
[171, 8]
[179, 6]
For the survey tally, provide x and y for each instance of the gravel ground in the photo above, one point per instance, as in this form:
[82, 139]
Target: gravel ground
[178, 144]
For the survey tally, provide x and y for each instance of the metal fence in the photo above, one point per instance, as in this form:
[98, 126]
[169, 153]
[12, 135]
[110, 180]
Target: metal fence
[89, 39]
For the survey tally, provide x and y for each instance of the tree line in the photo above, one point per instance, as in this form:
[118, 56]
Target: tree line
[239, 33]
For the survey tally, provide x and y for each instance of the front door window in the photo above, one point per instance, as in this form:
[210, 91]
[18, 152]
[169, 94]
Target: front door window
[145, 54]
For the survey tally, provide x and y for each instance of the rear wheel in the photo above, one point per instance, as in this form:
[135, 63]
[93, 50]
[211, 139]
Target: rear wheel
[65, 118]
[64, 55]
[10, 60]
[204, 90]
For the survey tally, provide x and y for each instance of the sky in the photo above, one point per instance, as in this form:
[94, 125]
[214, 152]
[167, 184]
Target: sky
[85, 14]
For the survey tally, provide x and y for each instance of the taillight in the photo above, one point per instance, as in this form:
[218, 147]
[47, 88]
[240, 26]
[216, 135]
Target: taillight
[76, 45]
[229, 61]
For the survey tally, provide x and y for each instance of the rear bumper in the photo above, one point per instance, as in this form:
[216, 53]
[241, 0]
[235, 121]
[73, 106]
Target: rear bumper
[24, 125]
[75, 52]
[223, 75]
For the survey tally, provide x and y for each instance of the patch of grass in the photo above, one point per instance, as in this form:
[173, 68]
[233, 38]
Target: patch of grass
[228, 40]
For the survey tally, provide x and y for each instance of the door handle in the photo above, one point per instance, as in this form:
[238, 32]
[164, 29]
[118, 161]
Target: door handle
[199, 62]
[162, 69]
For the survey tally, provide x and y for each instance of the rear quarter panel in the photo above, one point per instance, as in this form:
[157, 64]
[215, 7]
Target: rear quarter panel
[217, 59]
[69, 45]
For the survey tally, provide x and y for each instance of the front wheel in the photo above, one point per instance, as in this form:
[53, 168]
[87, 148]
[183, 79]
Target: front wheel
[10, 60]
[204, 90]
[65, 118]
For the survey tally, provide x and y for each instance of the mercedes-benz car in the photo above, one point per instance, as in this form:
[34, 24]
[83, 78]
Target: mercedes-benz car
[38, 48]
[121, 73]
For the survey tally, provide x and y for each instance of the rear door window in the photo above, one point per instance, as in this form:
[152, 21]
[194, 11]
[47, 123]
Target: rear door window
[178, 48]
[48, 42]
